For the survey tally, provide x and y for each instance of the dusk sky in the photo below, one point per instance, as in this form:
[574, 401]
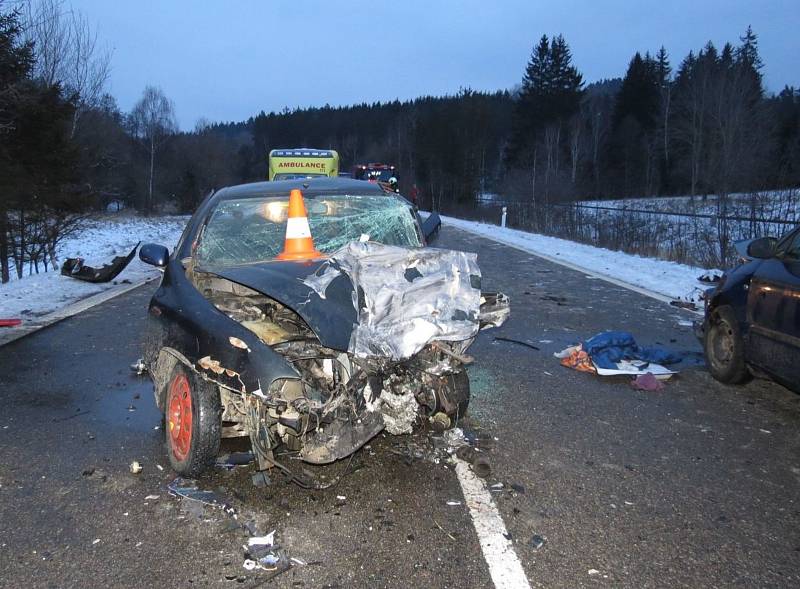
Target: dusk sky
[226, 61]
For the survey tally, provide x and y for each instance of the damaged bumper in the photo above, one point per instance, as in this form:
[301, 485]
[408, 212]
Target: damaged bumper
[373, 338]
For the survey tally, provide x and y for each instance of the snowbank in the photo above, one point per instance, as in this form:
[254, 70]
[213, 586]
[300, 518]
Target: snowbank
[669, 279]
[102, 239]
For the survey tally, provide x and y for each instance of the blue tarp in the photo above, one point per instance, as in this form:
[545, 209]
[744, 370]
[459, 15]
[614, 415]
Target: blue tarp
[610, 347]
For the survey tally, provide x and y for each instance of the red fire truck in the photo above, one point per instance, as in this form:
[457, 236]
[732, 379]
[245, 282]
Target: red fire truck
[374, 172]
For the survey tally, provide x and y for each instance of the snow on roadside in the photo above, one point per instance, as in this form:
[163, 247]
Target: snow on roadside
[103, 238]
[677, 281]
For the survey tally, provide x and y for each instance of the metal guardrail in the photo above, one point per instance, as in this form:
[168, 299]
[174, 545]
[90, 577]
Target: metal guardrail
[700, 238]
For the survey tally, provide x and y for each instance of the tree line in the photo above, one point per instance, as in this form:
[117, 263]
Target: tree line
[704, 126]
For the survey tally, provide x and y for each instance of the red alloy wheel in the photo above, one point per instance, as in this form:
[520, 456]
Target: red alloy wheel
[179, 417]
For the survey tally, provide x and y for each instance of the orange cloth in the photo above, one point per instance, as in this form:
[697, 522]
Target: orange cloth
[579, 360]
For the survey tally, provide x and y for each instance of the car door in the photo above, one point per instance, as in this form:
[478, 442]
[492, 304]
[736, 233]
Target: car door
[773, 313]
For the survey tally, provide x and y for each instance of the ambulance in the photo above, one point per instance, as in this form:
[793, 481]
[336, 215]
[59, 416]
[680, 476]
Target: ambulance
[294, 164]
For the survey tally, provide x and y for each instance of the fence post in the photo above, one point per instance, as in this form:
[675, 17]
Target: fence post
[503, 218]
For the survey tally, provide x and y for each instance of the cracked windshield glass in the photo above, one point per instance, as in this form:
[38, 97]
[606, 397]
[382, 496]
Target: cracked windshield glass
[253, 229]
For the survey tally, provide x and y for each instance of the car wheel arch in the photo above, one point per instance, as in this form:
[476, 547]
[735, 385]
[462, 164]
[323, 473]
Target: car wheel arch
[161, 371]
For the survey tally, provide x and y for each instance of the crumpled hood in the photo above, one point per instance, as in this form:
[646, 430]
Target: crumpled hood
[332, 319]
[375, 300]
[407, 297]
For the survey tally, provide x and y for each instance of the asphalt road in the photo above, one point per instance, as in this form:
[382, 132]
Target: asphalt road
[697, 485]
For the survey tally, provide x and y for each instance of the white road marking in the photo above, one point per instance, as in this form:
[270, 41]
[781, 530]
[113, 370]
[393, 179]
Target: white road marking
[587, 271]
[504, 565]
[8, 335]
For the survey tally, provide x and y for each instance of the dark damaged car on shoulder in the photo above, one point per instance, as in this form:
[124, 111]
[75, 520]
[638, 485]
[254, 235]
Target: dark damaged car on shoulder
[752, 316]
[309, 316]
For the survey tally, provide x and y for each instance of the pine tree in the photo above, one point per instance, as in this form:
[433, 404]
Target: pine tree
[551, 93]
[639, 96]
[16, 63]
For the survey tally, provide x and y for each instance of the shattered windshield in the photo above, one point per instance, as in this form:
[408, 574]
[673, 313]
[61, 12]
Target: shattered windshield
[253, 229]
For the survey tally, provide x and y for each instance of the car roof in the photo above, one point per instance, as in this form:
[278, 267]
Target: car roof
[310, 187]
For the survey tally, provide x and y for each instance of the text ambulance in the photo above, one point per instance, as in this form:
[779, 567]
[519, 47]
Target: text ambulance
[290, 164]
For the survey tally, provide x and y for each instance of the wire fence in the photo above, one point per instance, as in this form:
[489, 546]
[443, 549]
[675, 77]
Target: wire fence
[695, 231]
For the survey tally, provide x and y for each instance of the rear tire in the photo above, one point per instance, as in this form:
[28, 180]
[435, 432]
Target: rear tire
[192, 415]
[724, 347]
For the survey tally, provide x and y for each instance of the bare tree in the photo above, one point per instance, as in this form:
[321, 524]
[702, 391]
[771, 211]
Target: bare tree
[67, 51]
[152, 120]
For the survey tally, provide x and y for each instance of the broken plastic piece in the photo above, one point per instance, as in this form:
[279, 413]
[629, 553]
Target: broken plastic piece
[186, 490]
[454, 438]
[75, 268]
[267, 540]
[139, 366]
[135, 467]
[537, 541]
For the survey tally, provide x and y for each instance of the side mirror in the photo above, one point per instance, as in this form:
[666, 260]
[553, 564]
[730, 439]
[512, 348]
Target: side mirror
[430, 227]
[762, 248]
[154, 254]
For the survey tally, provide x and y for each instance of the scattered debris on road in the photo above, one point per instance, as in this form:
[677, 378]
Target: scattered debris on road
[617, 353]
[261, 552]
[135, 467]
[76, 268]
[647, 382]
[515, 341]
[139, 367]
[537, 541]
[189, 490]
[710, 277]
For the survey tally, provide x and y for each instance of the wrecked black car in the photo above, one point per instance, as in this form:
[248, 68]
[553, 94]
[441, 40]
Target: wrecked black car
[752, 318]
[311, 351]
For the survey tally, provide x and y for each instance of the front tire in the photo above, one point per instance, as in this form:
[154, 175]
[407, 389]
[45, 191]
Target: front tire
[192, 415]
[724, 347]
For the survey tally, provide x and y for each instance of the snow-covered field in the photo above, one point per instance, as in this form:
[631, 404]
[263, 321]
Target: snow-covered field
[102, 239]
[773, 204]
[697, 230]
[670, 279]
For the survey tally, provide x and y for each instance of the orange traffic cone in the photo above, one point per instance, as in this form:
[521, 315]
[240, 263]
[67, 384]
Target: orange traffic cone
[298, 244]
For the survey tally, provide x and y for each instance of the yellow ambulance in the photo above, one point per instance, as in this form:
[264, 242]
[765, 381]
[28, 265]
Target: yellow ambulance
[291, 164]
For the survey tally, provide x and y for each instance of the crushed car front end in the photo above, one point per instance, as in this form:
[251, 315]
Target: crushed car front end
[316, 357]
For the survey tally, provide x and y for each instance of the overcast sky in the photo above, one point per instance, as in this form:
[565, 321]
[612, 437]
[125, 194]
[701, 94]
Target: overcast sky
[228, 60]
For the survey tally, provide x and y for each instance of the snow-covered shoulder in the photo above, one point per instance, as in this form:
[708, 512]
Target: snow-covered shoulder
[104, 237]
[670, 279]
